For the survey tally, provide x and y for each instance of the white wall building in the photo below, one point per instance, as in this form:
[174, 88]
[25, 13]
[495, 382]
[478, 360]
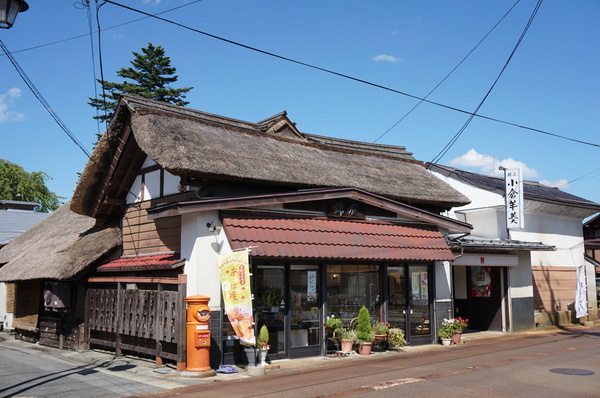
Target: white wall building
[532, 269]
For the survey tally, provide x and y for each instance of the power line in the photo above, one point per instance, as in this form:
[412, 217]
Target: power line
[83, 3]
[42, 100]
[453, 140]
[448, 75]
[283, 58]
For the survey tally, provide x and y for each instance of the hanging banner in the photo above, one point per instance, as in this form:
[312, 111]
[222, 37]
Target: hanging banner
[580, 295]
[514, 198]
[235, 285]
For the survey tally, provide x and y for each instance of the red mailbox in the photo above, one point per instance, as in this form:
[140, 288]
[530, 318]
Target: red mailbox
[198, 334]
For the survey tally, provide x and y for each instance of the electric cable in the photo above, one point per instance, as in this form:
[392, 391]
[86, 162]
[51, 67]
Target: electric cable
[283, 58]
[449, 73]
[83, 3]
[42, 100]
[453, 140]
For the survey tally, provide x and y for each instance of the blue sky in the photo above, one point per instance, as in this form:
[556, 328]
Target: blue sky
[551, 83]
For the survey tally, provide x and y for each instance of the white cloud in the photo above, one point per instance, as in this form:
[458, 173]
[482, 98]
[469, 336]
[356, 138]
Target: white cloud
[488, 164]
[6, 101]
[385, 58]
[557, 184]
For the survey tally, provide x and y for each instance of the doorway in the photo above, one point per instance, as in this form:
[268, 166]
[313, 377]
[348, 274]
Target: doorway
[292, 315]
[410, 301]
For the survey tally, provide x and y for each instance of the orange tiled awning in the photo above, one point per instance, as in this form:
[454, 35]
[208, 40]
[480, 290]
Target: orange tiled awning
[143, 263]
[335, 239]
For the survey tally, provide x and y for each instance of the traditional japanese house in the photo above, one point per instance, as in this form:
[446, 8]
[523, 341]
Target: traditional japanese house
[330, 225]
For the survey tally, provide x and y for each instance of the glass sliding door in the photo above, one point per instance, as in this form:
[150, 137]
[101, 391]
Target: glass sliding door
[420, 298]
[270, 304]
[409, 301]
[305, 325]
[397, 297]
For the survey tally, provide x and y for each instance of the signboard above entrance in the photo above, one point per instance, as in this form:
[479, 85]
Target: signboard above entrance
[488, 260]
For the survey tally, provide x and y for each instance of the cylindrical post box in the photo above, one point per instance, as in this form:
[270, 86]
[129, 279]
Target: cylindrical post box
[198, 334]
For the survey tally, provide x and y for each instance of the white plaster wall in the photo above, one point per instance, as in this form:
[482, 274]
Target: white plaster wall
[200, 248]
[3, 314]
[566, 233]
[442, 281]
[171, 184]
[520, 280]
[152, 185]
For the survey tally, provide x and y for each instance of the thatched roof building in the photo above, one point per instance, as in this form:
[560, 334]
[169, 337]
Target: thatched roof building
[272, 152]
[60, 247]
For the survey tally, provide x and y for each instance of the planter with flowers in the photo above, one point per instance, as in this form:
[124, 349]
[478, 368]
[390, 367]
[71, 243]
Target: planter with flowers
[451, 330]
[396, 338]
[380, 329]
[459, 325]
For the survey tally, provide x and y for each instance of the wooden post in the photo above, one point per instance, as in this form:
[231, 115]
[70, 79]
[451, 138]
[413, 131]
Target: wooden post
[119, 320]
[180, 321]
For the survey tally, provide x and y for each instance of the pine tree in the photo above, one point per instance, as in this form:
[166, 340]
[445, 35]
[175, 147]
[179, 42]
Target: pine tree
[151, 77]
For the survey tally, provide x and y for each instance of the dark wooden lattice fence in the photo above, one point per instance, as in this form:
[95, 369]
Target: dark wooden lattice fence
[151, 322]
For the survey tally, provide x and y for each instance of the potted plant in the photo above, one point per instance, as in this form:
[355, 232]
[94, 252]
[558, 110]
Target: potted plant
[332, 324]
[262, 343]
[347, 338]
[396, 338]
[380, 329]
[446, 331]
[364, 332]
[459, 325]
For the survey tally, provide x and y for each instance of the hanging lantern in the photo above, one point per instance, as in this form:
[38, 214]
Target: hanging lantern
[9, 10]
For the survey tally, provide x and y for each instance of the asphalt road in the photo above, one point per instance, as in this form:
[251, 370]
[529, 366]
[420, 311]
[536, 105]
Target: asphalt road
[547, 364]
[30, 375]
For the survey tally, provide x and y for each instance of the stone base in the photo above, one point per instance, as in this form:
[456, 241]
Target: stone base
[207, 373]
[256, 371]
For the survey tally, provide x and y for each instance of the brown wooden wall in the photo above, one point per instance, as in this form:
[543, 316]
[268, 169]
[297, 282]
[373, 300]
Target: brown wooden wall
[11, 290]
[144, 236]
[553, 288]
[28, 301]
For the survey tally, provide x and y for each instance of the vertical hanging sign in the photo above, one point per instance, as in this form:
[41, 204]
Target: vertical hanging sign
[580, 294]
[514, 198]
[234, 271]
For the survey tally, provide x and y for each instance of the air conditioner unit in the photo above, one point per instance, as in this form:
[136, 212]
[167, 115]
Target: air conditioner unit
[57, 296]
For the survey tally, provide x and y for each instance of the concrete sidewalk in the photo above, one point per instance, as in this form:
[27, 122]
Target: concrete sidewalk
[166, 376]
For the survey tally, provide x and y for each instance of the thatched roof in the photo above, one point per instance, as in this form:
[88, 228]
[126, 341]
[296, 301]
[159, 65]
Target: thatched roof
[189, 142]
[60, 247]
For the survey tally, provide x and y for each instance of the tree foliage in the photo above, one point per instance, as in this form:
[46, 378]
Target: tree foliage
[150, 77]
[18, 184]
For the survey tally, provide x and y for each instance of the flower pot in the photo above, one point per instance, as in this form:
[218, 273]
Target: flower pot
[365, 348]
[262, 356]
[446, 341]
[456, 337]
[251, 356]
[380, 337]
[346, 344]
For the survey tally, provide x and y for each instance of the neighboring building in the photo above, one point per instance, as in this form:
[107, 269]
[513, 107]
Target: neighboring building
[591, 236]
[15, 218]
[518, 279]
[45, 265]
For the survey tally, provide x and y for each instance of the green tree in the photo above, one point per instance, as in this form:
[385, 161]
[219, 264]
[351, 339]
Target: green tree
[151, 77]
[18, 184]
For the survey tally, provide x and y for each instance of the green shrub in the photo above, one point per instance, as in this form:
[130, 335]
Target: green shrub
[364, 333]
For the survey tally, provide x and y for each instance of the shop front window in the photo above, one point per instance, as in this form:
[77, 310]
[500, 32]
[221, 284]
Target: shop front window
[349, 287]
